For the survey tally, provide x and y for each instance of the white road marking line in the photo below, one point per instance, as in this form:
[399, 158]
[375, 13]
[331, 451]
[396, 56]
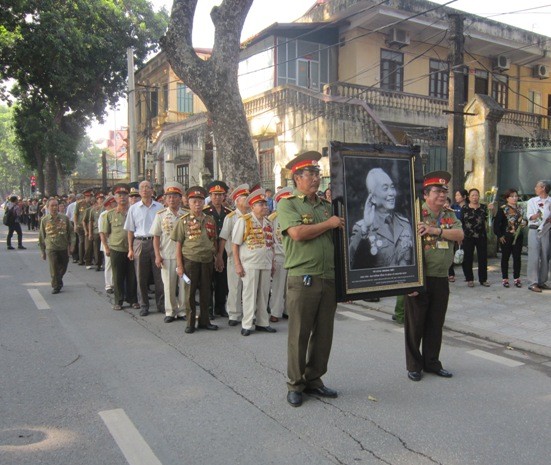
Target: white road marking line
[38, 300]
[128, 438]
[495, 358]
[356, 316]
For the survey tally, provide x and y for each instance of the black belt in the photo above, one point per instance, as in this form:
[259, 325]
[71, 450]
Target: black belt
[146, 238]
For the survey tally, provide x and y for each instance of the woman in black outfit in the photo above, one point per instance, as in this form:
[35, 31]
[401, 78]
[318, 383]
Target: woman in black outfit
[508, 220]
[460, 201]
[473, 218]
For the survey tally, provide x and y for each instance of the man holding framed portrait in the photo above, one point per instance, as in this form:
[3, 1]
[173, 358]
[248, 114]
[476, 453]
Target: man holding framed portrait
[425, 310]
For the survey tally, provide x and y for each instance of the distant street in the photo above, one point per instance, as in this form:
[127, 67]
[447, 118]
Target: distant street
[83, 384]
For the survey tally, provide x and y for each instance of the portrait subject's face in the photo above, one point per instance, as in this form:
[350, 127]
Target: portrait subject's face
[383, 194]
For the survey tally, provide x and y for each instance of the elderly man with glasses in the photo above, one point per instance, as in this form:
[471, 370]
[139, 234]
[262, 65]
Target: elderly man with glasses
[425, 311]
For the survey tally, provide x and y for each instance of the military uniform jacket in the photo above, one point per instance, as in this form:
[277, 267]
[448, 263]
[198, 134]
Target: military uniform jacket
[227, 229]
[278, 237]
[80, 210]
[95, 212]
[218, 217]
[438, 259]
[163, 225]
[316, 256]
[388, 241]
[113, 225]
[56, 233]
[197, 236]
[255, 238]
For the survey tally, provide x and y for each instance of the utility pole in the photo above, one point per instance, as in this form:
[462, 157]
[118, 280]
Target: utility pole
[104, 171]
[456, 96]
[132, 133]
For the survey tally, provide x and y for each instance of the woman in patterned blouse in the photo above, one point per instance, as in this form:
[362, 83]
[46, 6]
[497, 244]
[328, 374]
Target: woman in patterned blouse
[508, 220]
[473, 218]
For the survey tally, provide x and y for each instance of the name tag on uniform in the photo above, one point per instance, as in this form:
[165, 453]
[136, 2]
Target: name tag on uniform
[444, 245]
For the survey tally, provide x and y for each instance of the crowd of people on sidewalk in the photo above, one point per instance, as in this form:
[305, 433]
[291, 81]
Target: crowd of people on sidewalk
[254, 257]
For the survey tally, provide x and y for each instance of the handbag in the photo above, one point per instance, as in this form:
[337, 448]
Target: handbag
[458, 257]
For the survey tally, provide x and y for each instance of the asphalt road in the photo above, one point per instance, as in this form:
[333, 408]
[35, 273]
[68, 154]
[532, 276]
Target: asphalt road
[82, 384]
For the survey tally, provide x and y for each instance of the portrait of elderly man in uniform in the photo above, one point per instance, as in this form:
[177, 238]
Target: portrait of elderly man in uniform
[383, 237]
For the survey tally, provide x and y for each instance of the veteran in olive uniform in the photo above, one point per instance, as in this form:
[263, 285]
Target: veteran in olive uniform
[425, 311]
[93, 231]
[165, 251]
[382, 238]
[57, 240]
[115, 245]
[216, 208]
[80, 211]
[307, 227]
[195, 237]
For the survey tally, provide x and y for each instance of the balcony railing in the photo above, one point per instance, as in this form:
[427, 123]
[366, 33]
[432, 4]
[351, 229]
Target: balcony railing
[521, 118]
[379, 99]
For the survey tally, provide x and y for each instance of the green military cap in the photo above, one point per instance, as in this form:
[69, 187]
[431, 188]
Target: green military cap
[218, 187]
[307, 160]
[196, 192]
[437, 178]
[121, 188]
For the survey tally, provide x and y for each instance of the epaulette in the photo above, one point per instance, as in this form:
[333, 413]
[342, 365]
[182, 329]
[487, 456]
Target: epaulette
[229, 215]
[207, 207]
[449, 209]
[289, 197]
[272, 216]
[247, 216]
[403, 218]
[184, 215]
[228, 209]
[161, 211]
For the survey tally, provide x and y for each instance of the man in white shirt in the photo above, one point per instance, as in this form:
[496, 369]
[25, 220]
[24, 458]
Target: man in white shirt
[140, 246]
[538, 209]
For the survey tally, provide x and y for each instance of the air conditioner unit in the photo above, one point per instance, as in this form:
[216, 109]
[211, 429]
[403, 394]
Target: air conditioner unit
[540, 71]
[502, 63]
[398, 37]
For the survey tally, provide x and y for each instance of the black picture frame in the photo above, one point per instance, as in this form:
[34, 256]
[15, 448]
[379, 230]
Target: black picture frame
[377, 254]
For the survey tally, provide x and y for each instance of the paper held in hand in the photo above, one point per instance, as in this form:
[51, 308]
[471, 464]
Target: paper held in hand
[186, 279]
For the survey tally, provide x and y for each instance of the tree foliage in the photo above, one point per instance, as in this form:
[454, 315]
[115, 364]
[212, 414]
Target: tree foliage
[89, 158]
[13, 171]
[69, 59]
[215, 81]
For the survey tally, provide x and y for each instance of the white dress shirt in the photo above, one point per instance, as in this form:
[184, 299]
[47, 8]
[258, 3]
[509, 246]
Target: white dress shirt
[140, 218]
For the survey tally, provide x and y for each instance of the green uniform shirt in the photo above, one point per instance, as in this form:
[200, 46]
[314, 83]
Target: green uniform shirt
[315, 256]
[113, 226]
[56, 233]
[438, 260]
[95, 212]
[197, 236]
[80, 210]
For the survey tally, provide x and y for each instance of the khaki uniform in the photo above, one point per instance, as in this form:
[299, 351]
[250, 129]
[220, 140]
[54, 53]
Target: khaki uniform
[94, 214]
[162, 226]
[255, 239]
[108, 270]
[124, 275]
[386, 242]
[55, 238]
[235, 283]
[279, 278]
[80, 210]
[311, 308]
[425, 313]
[197, 236]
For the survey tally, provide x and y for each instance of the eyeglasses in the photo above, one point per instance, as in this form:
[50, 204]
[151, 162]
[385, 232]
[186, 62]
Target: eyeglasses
[439, 191]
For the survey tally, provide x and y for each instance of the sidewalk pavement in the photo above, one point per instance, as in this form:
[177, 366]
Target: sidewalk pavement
[518, 318]
[514, 317]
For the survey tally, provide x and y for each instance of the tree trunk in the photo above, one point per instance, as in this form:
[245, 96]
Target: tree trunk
[215, 82]
[39, 171]
[50, 187]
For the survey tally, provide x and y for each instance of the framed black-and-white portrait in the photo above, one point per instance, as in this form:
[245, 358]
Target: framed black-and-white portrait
[375, 189]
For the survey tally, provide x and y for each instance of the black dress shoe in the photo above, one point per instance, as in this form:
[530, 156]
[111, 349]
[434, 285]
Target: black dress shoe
[245, 332]
[294, 398]
[21, 247]
[322, 391]
[267, 329]
[443, 373]
[209, 327]
[233, 322]
[109, 291]
[189, 330]
[169, 319]
[180, 317]
[414, 375]
[223, 314]
[143, 312]
[10, 247]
